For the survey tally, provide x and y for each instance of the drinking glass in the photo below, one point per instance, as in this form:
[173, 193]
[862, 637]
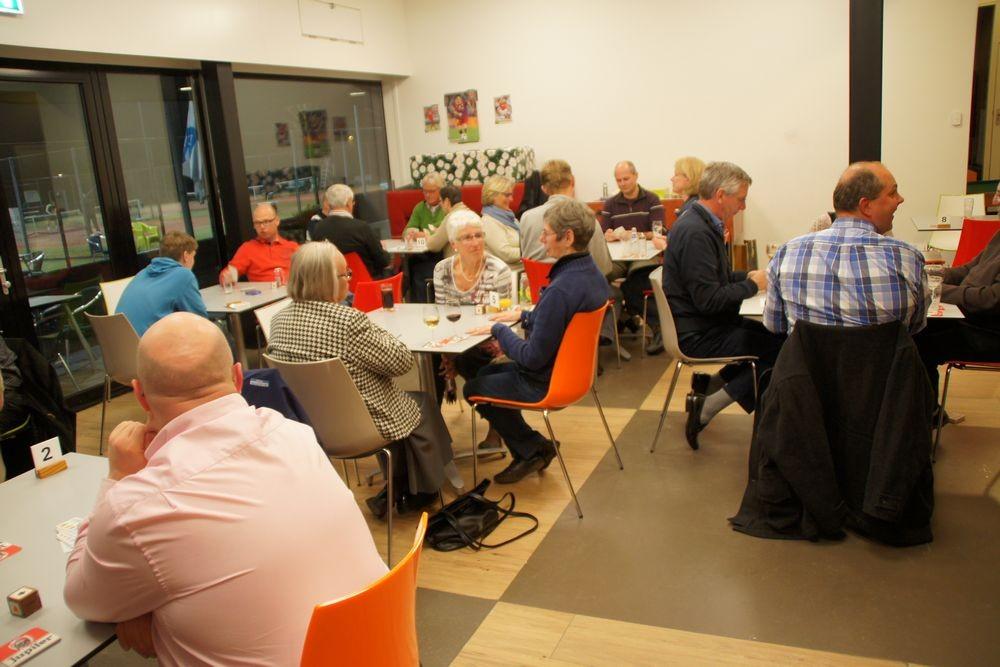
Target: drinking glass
[969, 205]
[505, 303]
[934, 283]
[657, 229]
[453, 311]
[431, 316]
[227, 282]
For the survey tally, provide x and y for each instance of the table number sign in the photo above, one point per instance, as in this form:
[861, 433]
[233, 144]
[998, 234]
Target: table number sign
[48, 458]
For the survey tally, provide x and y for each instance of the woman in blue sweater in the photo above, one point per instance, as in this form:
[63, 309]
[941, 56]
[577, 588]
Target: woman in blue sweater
[576, 285]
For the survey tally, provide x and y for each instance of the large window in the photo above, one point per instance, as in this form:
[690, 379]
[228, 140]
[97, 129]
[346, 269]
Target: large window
[300, 137]
[163, 162]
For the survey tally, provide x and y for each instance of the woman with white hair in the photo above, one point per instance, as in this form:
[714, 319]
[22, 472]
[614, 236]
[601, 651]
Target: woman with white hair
[316, 326]
[465, 278]
[503, 234]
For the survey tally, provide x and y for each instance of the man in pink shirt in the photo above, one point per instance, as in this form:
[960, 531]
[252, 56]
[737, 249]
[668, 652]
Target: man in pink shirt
[220, 525]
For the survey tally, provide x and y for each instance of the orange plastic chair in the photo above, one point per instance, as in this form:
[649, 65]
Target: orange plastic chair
[538, 276]
[976, 235]
[376, 626]
[368, 295]
[359, 272]
[572, 377]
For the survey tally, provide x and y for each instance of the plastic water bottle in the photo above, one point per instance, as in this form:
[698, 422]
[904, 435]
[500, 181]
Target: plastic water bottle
[634, 242]
[524, 290]
[278, 278]
[604, 191]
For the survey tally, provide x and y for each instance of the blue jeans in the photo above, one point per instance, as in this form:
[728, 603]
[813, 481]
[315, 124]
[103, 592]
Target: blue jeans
[504, 381]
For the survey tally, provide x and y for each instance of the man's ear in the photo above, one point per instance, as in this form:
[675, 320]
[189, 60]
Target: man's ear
[140, 395]
[238, 376]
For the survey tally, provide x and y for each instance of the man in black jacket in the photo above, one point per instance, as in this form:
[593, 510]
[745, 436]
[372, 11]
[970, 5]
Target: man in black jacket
[349, 234]
[705, 296]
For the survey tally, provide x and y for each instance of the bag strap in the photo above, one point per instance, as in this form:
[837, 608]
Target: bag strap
[502, 514]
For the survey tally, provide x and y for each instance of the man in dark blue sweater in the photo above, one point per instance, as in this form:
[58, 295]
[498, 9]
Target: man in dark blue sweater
[576, 285]
[705, 294]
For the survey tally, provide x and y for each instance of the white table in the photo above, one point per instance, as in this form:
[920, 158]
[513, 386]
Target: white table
[621, 251]
[399, 247]
[406, 322]
[32, 508]
[240, 301]
[754, 307]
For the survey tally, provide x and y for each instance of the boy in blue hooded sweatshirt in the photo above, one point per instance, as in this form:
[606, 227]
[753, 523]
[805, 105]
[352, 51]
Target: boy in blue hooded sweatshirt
[166, 286]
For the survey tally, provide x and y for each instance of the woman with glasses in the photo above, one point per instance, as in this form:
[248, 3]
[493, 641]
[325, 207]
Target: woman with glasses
[466, 278]
[503, 234]
[316, 327]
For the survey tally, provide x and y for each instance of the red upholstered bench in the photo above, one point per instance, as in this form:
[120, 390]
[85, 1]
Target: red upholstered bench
[402, 202]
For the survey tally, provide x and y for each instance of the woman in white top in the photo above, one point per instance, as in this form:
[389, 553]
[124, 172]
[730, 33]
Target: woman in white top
[503, 234]
[466, 278]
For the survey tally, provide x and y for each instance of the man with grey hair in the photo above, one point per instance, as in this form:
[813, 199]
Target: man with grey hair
[576, 285]
[210, 505]
[349, 234]
[818, 278]
[705, 294]
[259, 257]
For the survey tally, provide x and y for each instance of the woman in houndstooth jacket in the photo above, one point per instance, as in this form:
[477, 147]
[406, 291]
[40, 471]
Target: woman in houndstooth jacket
[316, 327]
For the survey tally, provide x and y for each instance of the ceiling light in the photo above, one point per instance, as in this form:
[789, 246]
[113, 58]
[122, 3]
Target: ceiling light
[185, 89]
[357, 93]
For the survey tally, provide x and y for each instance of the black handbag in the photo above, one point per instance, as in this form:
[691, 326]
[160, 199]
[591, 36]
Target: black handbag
[469, 519]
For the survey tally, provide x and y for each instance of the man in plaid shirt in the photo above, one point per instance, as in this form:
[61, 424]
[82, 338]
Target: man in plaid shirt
[850, 274]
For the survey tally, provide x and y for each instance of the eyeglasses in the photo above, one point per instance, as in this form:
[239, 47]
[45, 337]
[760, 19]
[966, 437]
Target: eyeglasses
[263, 223]
[507, 194]
[348, 275]
[475, 236]
[545, 233]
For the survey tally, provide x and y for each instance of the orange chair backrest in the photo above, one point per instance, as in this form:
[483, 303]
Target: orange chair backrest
[538, 276]
[576, 361]
[375, 627]
[976, 235]
[359, 272]
[368, 296]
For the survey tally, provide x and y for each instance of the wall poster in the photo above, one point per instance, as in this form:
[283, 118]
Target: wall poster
[281, 135]
[432, 118]
[501, 109]
[463, 116]
[315, 137]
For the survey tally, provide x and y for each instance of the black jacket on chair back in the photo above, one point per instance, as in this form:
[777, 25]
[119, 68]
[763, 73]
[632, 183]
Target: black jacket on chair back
[843, 439]
[43, 397]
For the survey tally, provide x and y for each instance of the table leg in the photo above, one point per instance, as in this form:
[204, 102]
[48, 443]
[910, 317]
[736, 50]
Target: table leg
[79, 334]
[237, 329]
[425, 366]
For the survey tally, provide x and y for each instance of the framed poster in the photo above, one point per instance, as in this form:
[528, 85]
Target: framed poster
[501, 109]
[315, 137]
[281, 136]
[463, 116]
[432, 118]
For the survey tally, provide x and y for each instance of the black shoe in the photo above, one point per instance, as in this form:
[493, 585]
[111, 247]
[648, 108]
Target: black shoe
[518, 470]
[695, 402]
[632, 323]
[656, 345]
[378, 504]
[700, 382]
[548, 453]
[414, 502]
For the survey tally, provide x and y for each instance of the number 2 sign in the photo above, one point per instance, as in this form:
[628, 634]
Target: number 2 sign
[46, 455]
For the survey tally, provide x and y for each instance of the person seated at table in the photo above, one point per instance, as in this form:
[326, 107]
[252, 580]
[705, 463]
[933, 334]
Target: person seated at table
[426, 218]
[817, 277]
[975, 288]
[422, 265]
[632, 207]
[686, 181]
[316, 327]
[13, 413]
[577, 285]
[166, 286]
[213, 508]
[503, 234]
[259, 257]
[348, 233]
[467, 278]
[705, 295]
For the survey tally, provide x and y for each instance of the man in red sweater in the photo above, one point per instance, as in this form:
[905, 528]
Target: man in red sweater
[258, 258]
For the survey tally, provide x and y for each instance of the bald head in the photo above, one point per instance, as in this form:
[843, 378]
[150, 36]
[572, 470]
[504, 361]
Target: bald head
[184, 358]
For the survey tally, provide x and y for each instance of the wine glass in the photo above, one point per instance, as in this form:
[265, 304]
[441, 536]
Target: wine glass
[431, 316]
[453, 311]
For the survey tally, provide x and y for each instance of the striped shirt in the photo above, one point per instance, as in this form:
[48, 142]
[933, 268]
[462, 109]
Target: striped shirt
[847, 275]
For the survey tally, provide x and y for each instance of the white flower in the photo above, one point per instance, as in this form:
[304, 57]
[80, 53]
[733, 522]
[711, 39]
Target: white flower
[473, 174]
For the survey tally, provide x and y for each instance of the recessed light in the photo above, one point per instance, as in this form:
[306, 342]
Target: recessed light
[357, 93]
[185, 89]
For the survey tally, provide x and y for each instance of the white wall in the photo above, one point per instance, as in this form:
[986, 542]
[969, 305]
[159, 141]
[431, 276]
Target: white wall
[762, 83]
[927, 76]
[255, 32]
